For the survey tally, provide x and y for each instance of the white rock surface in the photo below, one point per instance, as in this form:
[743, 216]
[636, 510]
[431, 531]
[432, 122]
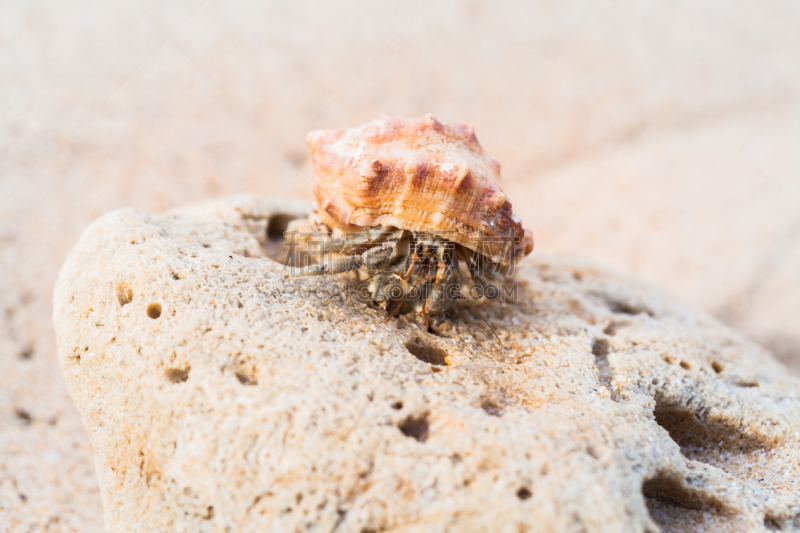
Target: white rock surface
[222, 396]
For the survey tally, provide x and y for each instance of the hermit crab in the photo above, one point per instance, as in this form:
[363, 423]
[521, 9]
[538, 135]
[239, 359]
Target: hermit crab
[410, 203]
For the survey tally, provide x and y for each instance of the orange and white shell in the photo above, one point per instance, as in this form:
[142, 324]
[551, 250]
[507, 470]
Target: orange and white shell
[417, 175]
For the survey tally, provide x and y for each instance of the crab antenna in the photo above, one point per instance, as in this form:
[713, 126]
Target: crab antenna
[462, 297]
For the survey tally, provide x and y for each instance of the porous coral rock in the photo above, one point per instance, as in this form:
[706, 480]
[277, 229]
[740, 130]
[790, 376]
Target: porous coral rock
[221, 395]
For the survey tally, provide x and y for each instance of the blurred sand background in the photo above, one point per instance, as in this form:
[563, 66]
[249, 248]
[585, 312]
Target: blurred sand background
[657, 137]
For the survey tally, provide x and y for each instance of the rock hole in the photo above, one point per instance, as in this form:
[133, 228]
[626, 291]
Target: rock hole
[613, 327]
[274, 244]
[244, 379]
[154, 310]
[696, 433]
[427, 353]
[669, 496]
[415, 427]
[668, 488]
[397, 405]
[24, 417]
[600, 348]
[592, 451]
[278, 224]
[746, 383]
[178, 375]
[524, 493]
[124, 293]
[209, 513]
[492, 408]
[685, 365]
[717, 367]
[772, 524]
[625, 308]
[341, 515]
[26, 353]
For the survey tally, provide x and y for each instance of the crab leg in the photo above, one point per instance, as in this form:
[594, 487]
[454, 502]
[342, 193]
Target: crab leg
[414, 260]
[395, 310]
[354, 241]
[338, 266]
[425, 315]
[441, 268]
[405, 295]
[375, 257]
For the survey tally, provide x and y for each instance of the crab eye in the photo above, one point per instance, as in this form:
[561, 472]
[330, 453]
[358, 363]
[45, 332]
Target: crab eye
[504, 223]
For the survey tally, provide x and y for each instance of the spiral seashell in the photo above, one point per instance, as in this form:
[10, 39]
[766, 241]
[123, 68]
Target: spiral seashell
[418, 175]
